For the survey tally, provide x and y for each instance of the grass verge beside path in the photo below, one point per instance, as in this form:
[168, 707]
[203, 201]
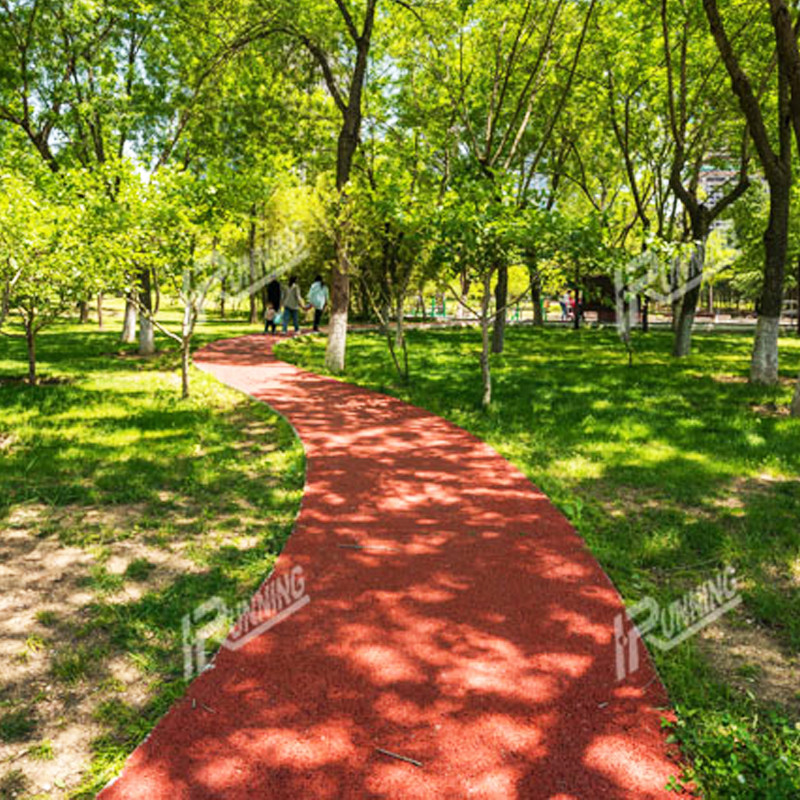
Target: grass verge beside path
[122, 508]
[670, 471]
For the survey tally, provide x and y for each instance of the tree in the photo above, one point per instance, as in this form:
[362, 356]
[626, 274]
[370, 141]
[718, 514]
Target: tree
[507, 106]
[776, 161]
[45, 260]
[475, 239]
[697, 143]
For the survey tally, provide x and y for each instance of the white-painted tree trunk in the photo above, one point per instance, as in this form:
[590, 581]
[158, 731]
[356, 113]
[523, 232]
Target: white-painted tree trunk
[147, 341]
[764, 363]
[129, 323]
[337, 341]
[486, 369]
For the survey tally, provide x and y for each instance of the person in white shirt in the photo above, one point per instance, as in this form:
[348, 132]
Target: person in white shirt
[318, 296]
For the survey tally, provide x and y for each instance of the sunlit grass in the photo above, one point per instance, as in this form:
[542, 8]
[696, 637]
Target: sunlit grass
[669, 472]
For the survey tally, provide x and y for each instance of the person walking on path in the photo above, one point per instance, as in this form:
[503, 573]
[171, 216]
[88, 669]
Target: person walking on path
[564, 303]
[292, 303]
[318, 298]
[274, 292]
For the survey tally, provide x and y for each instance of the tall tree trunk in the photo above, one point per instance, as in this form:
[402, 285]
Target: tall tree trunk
[5, 300]
[501, 312]
[536, 297]
[187, 329]
[400, 338]
[682, 344]
[30, 340]
[83, 312]
[764, 363]
[129, 322]
[147, 342]
[346, 148]
[486, 373]
[340, 303]
[465, 283]
[185, 360]
[645, 314]
[100, 310]
[251, 243]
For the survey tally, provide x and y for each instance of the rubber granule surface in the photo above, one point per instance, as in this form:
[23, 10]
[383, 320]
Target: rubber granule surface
[435, 605]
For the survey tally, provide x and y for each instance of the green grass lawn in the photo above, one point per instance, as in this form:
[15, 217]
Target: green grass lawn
[122, 508]
[670, 471]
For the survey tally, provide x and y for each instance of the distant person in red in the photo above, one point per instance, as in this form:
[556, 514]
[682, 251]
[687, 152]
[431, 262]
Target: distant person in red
[573, 305]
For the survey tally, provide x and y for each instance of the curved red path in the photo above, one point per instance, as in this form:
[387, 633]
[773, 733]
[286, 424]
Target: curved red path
[477, 637]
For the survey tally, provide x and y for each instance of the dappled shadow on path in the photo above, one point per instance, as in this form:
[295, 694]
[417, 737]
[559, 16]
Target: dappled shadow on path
[473, 632]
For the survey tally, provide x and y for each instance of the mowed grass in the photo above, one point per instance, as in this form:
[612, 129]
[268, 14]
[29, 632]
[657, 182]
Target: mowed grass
[670, 471]
[154, 505]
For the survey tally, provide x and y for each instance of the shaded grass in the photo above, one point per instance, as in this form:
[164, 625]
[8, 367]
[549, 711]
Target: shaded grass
[217, 479]
[669, 474]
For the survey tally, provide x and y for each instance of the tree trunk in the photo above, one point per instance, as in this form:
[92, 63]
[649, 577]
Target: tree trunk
[337, 327]
[400, 336]
[340, 274]
[147, 343]
[30, 340]
[501, 312]
[645, 314]
[764, 364]
[4, 300]
[340, 306]
[187, 329]
[185, 367]
[100, 310]
[536, 297]
[129, 322]
[252, 264]
[796, 400]
[346, 148]
[486, 373]
[798, 297]
[83, 312]
[682, 344]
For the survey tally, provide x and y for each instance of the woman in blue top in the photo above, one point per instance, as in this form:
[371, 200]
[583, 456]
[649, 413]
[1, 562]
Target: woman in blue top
[318, 298]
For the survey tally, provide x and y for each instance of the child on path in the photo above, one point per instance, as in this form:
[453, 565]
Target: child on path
[274, 292]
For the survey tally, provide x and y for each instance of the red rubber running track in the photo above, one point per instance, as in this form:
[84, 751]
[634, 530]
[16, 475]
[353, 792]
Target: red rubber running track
[472, 632]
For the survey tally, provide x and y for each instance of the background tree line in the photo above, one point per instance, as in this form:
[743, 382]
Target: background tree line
[399, 147]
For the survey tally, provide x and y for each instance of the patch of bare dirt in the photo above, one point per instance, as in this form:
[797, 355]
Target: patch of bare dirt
[727, 378]
[134, 355]
[49, 380]
[750, 660]
[770, 410]
[44, 599]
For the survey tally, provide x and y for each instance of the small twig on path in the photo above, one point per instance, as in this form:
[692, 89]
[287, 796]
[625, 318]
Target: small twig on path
[368, 547]
[12, 759]
[399, 757]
